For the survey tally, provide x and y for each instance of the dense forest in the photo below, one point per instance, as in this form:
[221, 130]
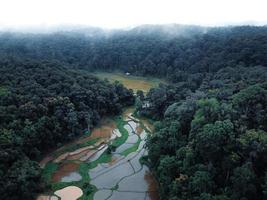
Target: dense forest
[42, 106]
[210, 140]
[164, 51]
[211, 143]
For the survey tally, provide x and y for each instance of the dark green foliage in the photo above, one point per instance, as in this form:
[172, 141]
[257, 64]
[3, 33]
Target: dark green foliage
[212, 141]
[244, 183]
[42, 106]
[111, 148]
[148, 50]
[251, 105]
[22, 180]
[212, 144]
[264, 186]
[158, 99]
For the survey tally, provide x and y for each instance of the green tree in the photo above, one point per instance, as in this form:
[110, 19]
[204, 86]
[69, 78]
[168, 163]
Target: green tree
[250, 104]
[215, 140]
[244, 183]
[200, 182]
[207, 112]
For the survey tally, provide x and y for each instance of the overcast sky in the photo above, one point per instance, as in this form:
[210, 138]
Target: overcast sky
[128, 13]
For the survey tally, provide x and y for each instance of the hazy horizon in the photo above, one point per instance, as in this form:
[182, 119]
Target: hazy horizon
[83, 28]
[123, 14]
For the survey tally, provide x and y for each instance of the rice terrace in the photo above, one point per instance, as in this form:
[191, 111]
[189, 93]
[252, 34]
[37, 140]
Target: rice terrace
[133, 100]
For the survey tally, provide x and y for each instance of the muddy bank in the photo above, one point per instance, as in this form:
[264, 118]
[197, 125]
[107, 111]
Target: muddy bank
[64, 169]
[114, 174]
[131, 179]
[69, 193]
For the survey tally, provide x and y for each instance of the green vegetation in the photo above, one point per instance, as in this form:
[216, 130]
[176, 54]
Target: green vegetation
[88, 190]
[3, 91]
[132, 149]
[130, 81]
[104, 158]
[83, 170]
[124, 133]
[47, 105]
[84, 167]
[211, 112]
[48, 170]
[147, 51]
[211, 145]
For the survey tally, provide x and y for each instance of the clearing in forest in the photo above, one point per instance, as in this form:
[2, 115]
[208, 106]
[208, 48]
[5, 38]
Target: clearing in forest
[130, 81]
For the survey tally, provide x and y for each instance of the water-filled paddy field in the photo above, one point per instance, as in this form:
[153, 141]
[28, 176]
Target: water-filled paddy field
[89, 168]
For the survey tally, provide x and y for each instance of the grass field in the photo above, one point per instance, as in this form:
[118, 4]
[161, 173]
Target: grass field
[131, 82]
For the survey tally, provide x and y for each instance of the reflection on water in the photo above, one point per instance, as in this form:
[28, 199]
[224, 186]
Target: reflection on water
[133, 124]
[73, 176]
[102, 194]
[127, 195]
[135, 161]
[109, 179]
[100, 151]
[129, 129]
[132, 180]
[139, 129]
[123, 147]
[136, 182]
[64, 170]
[122, 178]
[132, 139]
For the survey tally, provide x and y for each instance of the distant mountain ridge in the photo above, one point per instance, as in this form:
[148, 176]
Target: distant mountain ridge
[158, 50]
[169, 29]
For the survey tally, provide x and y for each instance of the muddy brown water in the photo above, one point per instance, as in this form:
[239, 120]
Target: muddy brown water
[104, 130]
[148, 124]
[43, 197]
[152, 186]
[64, 170]
[139, 129]
[126, 172]
[134, 180]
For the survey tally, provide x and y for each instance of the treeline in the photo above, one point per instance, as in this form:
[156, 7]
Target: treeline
[43, 105]
[170, 52]
[211, 141]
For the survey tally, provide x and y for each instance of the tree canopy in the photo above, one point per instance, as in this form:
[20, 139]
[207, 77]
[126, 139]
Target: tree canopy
[42, 106]
[212, 143]
[210, 138]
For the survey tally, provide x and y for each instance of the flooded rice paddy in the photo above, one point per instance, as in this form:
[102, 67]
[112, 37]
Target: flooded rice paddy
[65, 172]
[113, 174]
